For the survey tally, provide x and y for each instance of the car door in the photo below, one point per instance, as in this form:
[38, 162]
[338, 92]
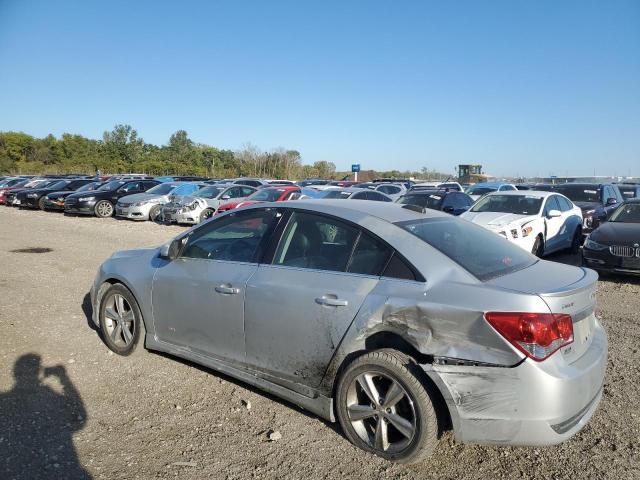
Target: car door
[198, 298]
[299, 306]
[553, 226]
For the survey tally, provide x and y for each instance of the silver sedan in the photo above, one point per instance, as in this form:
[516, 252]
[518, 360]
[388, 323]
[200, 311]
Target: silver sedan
[396, 323]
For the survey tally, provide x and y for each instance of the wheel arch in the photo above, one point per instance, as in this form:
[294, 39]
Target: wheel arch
[392, 340]
[104, 286]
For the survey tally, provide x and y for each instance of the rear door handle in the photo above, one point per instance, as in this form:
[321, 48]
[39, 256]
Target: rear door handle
[226, 289]
[332, 302]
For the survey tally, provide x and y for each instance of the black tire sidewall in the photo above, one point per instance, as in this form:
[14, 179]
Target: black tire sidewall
[41, 203]
[422, 412]
[138, 321]
[204, 218]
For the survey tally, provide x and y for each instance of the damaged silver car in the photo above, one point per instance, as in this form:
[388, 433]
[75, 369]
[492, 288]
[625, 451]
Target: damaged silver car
[203, 204]
[399, 324]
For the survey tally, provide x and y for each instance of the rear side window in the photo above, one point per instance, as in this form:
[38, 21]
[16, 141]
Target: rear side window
[481, 252]
[369, 256]
[565, 205]
[398, 268]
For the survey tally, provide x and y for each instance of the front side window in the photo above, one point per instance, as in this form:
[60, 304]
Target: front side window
[565, 205]
[552, 204]
[432, 200]
[481, 252]
[130, 187]
[316, 242]
[233, 238]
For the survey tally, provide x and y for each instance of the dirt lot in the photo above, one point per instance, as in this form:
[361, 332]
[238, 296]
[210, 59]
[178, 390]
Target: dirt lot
[83, 412]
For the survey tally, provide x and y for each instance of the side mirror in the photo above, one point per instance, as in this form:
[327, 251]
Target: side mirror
[611, 201]
[554, 214]
[169, 251]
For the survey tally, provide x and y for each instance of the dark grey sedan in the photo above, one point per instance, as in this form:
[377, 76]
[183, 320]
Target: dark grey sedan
[396, 323]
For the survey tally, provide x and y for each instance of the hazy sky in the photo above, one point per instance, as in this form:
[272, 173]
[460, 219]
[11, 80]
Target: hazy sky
[523, 87]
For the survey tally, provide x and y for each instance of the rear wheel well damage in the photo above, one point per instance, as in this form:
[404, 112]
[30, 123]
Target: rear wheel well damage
[389, 340]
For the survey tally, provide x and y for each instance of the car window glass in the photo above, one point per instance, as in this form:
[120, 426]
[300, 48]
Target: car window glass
[245, 191]
[398, 268]
[360, 196]
[378, 197]
[565, 205]
[369, 256]
[552, 204]
[448, 201]
[317, 242]
[130, 187]
[234, 238]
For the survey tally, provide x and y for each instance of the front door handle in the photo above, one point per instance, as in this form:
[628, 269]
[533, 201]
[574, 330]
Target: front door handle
[331, 302]
[227, 289]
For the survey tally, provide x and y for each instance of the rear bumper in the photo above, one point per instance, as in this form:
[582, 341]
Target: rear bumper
[29, 202]
[530, 404]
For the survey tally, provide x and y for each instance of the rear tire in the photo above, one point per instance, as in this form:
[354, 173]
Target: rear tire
[576, 242]
[41, 203]
[103, 209]
[538, 247]
[401, 425]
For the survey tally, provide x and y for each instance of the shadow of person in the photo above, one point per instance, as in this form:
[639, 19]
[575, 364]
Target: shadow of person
[37, 424]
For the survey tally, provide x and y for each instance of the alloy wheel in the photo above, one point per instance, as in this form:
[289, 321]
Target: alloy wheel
[105, 209]
[381, 412]
[119, 320]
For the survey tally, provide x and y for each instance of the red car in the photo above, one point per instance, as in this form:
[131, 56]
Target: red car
[15, 186]
[269, 194]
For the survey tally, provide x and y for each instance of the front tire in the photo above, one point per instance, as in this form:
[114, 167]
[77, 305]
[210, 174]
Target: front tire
[206, 214]
[576, 241]
[121, 324]
[385, 408]
[41, 203]
[155, 212]
[538, 247]
[103, 209]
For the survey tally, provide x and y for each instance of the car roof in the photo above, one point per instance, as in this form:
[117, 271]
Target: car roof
[431, 191]
[388, 211]
[490, 184]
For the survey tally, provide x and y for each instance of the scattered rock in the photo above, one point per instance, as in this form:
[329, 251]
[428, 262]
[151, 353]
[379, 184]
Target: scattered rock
[246, 404]
[177, 407]
[72, 360]
[274, 436]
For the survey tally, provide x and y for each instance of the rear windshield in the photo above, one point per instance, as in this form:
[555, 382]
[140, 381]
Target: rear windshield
[162, 189]
[266, 195]
[483, 253]
[580, 193]
[432, 200]
[518, 204]
[111, 186]
[337, 194]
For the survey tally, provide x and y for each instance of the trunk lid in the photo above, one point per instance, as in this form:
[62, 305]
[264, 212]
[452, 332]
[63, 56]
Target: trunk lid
[565, 289]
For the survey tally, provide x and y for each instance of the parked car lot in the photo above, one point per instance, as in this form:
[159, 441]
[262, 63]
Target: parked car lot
[189, 416]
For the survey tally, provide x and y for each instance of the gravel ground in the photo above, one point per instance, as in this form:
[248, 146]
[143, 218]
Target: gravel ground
[71, 409]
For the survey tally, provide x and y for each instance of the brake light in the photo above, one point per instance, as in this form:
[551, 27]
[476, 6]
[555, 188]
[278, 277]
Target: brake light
[537, 335]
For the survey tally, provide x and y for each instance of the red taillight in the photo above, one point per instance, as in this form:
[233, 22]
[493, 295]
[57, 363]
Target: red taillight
[537, 335]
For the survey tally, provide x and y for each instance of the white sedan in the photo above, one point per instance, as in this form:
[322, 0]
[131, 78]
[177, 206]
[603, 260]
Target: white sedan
[539, 222]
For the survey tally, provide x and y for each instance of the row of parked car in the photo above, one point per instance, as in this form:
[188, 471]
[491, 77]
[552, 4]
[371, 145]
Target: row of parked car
[540, 218]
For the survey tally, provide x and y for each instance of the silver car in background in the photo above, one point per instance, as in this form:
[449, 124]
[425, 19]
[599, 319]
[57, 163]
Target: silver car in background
[203, 203]
[148, 205]
[396, 323]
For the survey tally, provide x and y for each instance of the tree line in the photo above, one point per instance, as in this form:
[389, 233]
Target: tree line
[122, 150]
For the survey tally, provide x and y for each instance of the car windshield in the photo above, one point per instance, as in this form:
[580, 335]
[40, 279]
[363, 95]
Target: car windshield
[517, 204]
[336, 194]
[60, 184]
[481, 190]
[89, 187]
[431, 200]
[162, 189]
[626, 213]
[580, 193]
[267, 195]
[209, 192]
[111, 186]
[481, 252]
[42, 184]
[628, 192]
